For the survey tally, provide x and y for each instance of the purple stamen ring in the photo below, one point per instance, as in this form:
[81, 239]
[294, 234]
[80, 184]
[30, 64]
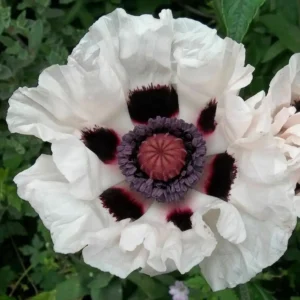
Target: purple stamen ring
[162, 159]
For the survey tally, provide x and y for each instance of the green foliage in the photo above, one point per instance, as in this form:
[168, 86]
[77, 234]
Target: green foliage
[37, 33]
[237, 15]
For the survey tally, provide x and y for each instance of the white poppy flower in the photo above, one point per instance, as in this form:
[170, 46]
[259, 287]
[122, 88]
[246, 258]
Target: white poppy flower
[284, 101]
[279, 113]
[146, 171]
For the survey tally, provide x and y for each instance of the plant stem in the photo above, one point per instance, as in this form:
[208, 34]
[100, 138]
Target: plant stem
[244, 292]
[20, 279]
[25, 270]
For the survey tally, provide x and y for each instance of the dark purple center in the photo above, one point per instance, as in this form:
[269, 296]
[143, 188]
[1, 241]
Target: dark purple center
[162, 159]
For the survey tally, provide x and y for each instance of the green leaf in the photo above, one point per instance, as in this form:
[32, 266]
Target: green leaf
[4, 18]
[6, 298]
[226, 295]
[276, 49]
[36, 35]
[58, 55]
[70, 289]
[27, 250]
[6, 277]
[66, 1]
[244, 292]
[50, 279]
[197, 282]
[258, 46]
[165, 279]
[13, 199]
[292, 254]
[138, 295]
[11, 229]
[12, 160]
[45, 296]
[149, 6]
[27, 210]
[96, 294]
[100, 281]
[237, 15]
[289, 9]
[5, 72]
[3, 177]
[149, 285]
[259, 293]
[22, 23]
[52, 13]
[17, 146]
[6, 90]
[43, 3]
[113, 291]
[287, 33]
[217, 7]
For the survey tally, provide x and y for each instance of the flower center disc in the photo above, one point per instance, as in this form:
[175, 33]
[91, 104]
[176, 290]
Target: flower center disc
[162, 156]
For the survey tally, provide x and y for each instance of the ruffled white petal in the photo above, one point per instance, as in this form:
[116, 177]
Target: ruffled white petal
[171, 249]
[233, 264]
[208, 73]
[168, 247]
[263, 196]
[261, 116]
[228, 221]
[285, 86]
[284, 91]
[67, 100]
[26, 115]
[259, 159]
[75, 224]
[233, 120]
[68, 219]
[105, 250]
[297, 205]
[88, 177]
[104, 253]
[217, 142]
[139, 48]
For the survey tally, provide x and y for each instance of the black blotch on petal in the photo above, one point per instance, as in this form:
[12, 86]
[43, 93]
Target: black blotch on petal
[206, 122]
[181, 218]
[152, 101]
[297, 105]
[297, 188]
[222, 175]
[102, 141]
[121, 204]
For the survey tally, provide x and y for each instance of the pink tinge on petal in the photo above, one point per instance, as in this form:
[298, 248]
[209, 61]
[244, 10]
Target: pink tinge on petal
[103, 142]
[292, 134]
[292, 120]
[282, 118]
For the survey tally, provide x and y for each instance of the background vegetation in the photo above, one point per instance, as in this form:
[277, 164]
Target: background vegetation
[37, 33]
